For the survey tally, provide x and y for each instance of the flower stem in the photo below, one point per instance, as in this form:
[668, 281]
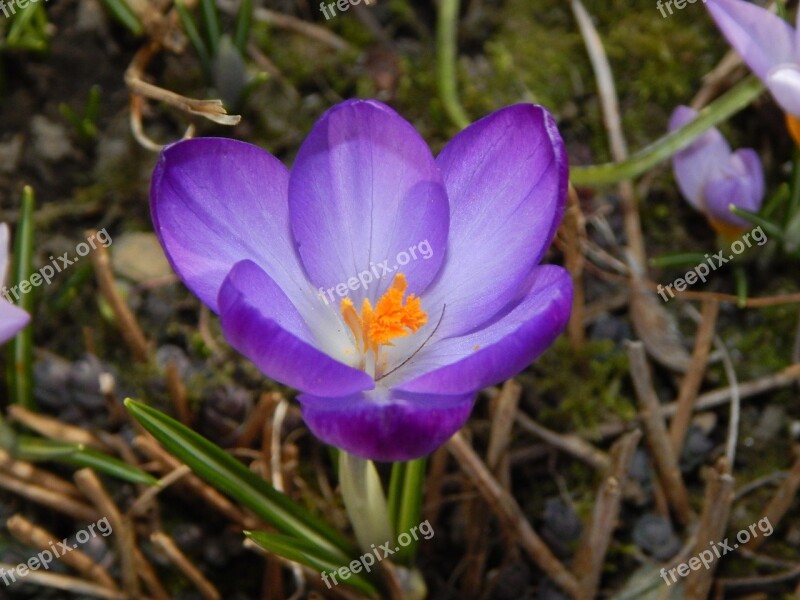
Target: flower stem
[446, 53]
[365, 501]
[723, 107]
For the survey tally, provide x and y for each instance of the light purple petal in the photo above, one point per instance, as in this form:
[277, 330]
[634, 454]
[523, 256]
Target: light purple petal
[740, 184]
[12, 320]
[4, 241]
[705, 156]
[217, 201]
[365, 188]
[502, 349]
[506, 177]
[386, 426]
[763, 39]
[259, 320]
[784, 83]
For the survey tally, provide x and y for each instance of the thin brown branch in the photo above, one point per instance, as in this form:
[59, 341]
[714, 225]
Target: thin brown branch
[179, 559]
[779, 504]
[589, 560]
[694, 376]
[661, 450]
[129, 327]
[509, 512]
[568, 443]
[74, 585]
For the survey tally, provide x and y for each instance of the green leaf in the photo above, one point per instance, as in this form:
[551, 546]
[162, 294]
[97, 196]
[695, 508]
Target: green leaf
[211, 24]
[231, 477]
[309, 555]
[20, 364]
[405, 503]
[125, 15]
[39, 449]
[677, 259]
[191, 31]
[243, 21]
[768, 226]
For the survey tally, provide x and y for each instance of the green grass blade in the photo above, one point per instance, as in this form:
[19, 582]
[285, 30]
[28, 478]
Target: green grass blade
[20, 372]
[231, 477]
[38, 449]
[243, 21]
[191, 31]
[409, 508]
[125, 15]
[208, 9]
[307, 554]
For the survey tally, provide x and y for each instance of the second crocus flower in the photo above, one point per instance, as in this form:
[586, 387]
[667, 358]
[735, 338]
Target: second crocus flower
[712, 178]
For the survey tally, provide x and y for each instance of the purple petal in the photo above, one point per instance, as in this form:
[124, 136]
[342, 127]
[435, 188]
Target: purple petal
[502, 349]
[740, 184]
[506, 177]
[215, 202]
[259, 320]
[693, 165]
[12, 320]
[386, 425]
[763, 39]
[784, 83]
[364, 189]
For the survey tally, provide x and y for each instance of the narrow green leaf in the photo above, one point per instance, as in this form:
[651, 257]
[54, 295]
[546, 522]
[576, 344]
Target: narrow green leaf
[309, 555]
[446, 62]
[409, 509]
[231, 477]
[38, 449]
[211, 24]
[768, 226]
[191, 31]
[20, 368]
[243, 21]
[125, 15]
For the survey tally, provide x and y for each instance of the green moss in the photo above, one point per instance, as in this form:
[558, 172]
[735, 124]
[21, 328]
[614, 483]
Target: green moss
[582, 388]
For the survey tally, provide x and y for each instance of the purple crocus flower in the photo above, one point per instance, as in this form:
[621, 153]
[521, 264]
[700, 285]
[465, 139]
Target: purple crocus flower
[712, 178]
[391, 371]
[770, 48]
[12, 318]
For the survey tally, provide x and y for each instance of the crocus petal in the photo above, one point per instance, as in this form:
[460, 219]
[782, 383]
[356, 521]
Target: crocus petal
[693, 165]
[502, 349]
[12, 320]
[386, 425]
[363, 189]
[506, 177]
[784, 83]
[4, 241]
[763, 39]
[277, 341]
[217, 201]
[740, 184]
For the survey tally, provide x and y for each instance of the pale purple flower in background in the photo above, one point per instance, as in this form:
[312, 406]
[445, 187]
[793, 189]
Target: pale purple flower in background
[712, 178]
[12, 318]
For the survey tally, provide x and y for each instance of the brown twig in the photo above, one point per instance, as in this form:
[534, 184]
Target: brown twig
[129, 327]
[37, 476]
[694, 376]
[661, 449]
[713, 522]
[49, 498]
[305, 28]
[570, 444]
[573, 231]
[779, 504]
[53, 428]
[589, 559]
[509, 512]
[177, 393]
[179, 559]
[41, 539]
[93, 489]
[68, 584]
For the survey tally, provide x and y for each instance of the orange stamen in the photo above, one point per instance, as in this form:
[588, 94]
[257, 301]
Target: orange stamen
[793, 125]
[391, 318]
